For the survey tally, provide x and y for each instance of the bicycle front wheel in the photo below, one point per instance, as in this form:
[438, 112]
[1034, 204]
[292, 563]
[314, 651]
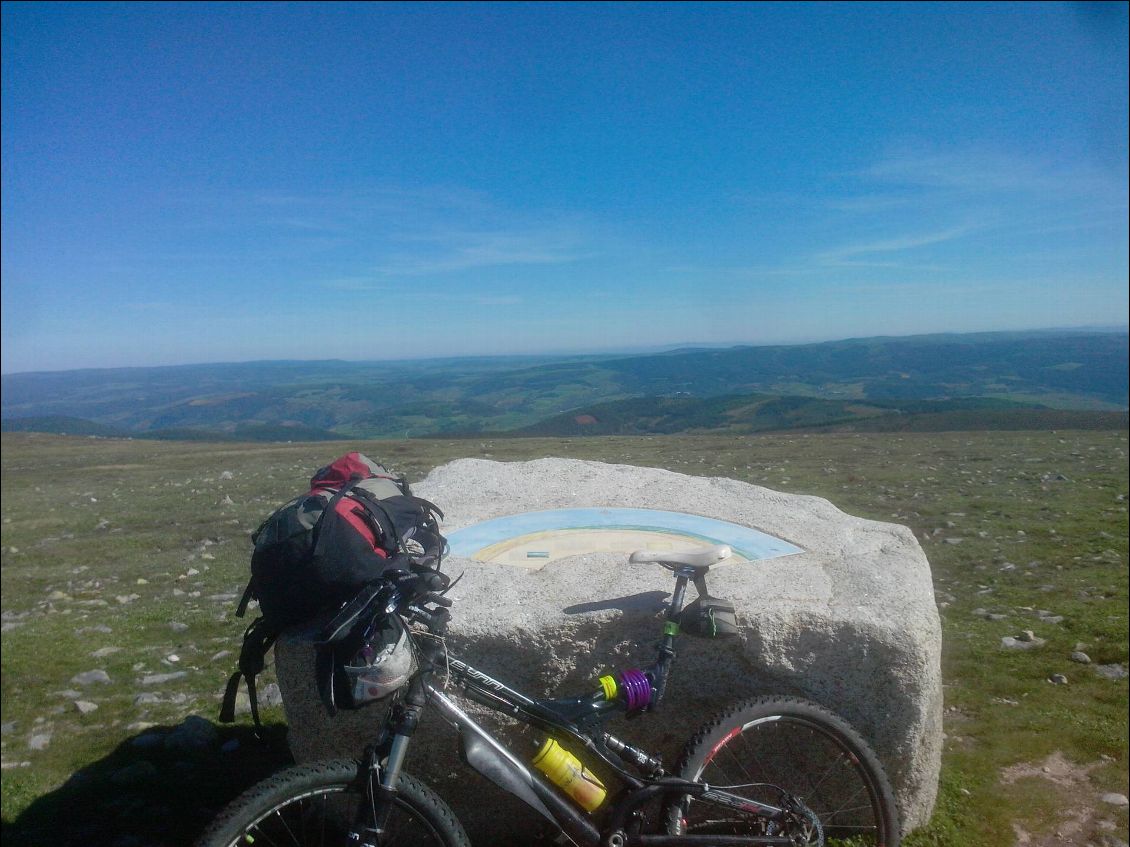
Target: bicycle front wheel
[767, 748]
[317, 804]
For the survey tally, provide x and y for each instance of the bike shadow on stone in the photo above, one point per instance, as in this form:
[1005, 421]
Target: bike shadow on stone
[645, 601]
[159, 788]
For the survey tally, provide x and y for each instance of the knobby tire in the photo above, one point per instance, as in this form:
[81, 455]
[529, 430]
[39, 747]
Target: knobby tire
[797, 746]
[314, 805]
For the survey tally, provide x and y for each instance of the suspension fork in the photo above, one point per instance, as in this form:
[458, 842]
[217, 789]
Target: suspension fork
[381, 781]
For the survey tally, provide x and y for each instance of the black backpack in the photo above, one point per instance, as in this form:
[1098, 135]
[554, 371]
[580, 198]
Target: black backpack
[317, 552]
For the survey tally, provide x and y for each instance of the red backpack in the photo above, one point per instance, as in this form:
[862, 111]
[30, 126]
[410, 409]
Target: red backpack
[314, 554]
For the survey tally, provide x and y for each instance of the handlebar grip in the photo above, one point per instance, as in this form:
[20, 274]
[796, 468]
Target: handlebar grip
[435, 620]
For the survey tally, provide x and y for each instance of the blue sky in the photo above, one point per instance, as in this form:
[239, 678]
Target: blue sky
[210, 182]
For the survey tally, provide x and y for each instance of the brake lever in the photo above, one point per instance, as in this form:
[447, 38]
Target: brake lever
[453, 582]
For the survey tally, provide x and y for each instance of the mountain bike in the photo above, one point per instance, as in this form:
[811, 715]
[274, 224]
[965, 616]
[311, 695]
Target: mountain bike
[766, 771]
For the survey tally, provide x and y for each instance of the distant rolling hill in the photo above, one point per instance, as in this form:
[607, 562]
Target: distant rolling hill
[745, 414]
[243, 432]
[61, 425]
[334, 399]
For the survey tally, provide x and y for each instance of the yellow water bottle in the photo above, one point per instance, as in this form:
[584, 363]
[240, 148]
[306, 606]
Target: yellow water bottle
[567, 773]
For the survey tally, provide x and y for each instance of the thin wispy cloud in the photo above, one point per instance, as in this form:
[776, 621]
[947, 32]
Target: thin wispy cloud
[983, 172]
[446, 251]
[371, 237]
[872, 253]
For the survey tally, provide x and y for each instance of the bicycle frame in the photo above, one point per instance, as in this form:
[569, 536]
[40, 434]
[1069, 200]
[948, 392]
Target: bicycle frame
[560, 718]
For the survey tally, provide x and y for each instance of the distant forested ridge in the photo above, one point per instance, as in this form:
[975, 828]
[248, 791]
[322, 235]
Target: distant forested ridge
[869, 382]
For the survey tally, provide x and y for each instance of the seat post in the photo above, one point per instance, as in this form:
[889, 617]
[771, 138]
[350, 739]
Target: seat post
[658, 672]
[682, 574]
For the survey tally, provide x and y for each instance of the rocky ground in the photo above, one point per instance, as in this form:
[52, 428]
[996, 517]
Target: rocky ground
[122, 561]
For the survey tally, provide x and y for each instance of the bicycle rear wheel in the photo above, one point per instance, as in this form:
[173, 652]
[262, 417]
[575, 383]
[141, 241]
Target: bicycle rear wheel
[317, 804]
[766, 746]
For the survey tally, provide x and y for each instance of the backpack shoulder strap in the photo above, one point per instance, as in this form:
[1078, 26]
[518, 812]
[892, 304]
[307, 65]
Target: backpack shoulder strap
[257, 640]
[248, 593]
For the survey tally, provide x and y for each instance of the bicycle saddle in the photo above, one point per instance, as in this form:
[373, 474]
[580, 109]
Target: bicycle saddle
[687, 558]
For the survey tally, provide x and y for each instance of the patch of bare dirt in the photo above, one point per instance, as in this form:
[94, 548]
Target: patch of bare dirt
[1082, 819]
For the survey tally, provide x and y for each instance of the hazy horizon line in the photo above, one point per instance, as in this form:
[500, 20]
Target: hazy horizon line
[635, 350]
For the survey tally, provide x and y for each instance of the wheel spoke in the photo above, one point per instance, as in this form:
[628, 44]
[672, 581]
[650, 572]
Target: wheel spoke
[316, 805]
[800, 750]
[282, 820]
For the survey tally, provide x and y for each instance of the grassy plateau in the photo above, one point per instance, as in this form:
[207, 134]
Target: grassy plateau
[122, 562]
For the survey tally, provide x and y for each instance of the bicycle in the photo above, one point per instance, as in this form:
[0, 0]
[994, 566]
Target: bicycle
[767, 771]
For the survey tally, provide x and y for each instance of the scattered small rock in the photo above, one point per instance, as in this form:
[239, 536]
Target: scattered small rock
[1081, 657]
[1116, 800]
[99, 628]
[162, 678]
[271, 695]
[85, 707]
[127, 598]
[1057, 679]
[1112, 672]
[226, 475]
[242, 703]
[989, 616]
[90, 677]
[103, 652]
[1021, 643]
[39, 742]
[146, 698]
[177, 626]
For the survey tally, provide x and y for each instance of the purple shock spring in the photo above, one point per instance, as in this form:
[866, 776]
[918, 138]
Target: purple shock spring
[636, 688]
